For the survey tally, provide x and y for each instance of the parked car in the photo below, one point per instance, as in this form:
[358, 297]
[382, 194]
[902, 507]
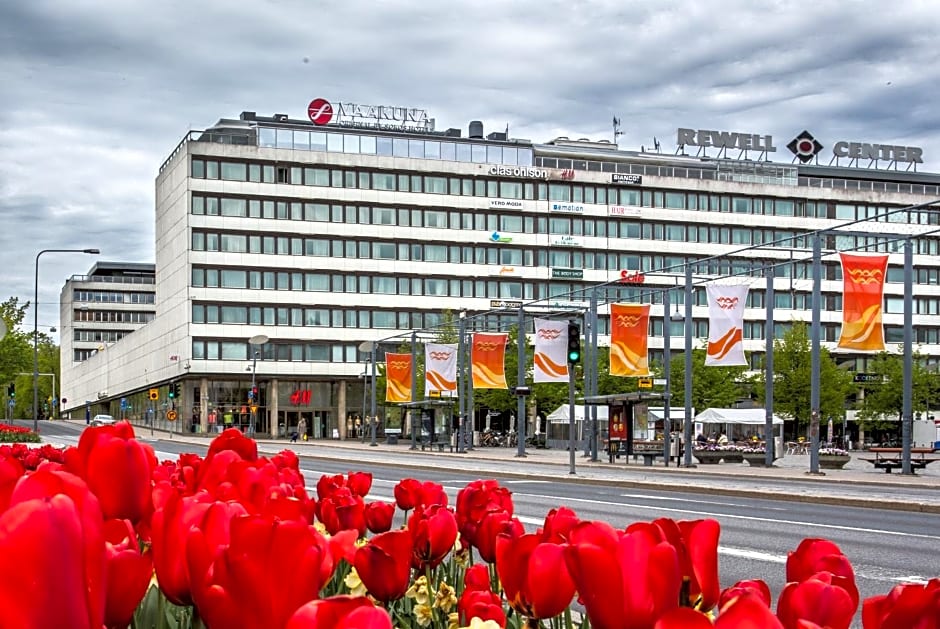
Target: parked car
[102, 420]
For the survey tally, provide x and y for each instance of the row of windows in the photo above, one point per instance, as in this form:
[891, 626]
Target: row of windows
[388, 146]
[327, 352]
[517, 223]
[546, 191]
[114, 297]
[106, 336]
[113, 316]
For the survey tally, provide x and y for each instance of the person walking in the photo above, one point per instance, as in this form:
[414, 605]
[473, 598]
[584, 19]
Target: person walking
[302, 428]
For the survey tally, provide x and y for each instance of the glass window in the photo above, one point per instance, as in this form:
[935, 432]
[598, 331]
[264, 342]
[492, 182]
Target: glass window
[317, 141]
[383, 146]
[494, 155]
[559, 192]
[367, 145]
[463, 152]
[432, 150]
[449, 151]
[285, 139]
[267, 137]
[199, 205]
[435, 185]
[383, 181]
[199, 277]
[416, 149]
[400, 146]
[435, 218]
[383, 216]
[234, 243]
[350, 143]
[478, 153]
[675, 200]
[510, 155]
[510, 223]
[233, 207]
[316, 282]
[334, 142]
[198, 169]
[435, 287]
[383, 285]
[435, 253]
[302, 140]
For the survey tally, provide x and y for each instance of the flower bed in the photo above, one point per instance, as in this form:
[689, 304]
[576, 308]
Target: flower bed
[17, 434]
[833, 458]
[712, 454]
[233, 539]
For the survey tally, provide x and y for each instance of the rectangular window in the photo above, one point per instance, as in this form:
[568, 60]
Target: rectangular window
[198, 169]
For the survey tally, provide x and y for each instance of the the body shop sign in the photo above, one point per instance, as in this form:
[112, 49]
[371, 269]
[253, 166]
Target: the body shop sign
[567, 274]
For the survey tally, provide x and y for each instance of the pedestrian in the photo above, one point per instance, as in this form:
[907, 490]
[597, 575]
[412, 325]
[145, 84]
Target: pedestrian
[302, 427]
[722, 439]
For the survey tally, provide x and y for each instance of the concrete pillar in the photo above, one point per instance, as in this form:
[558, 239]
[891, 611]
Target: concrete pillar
[272, 407]
[341, 409]
[203, 405]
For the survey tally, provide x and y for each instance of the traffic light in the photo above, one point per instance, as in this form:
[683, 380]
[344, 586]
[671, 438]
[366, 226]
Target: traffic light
[11, 390]
[574, 343]
[172, 392]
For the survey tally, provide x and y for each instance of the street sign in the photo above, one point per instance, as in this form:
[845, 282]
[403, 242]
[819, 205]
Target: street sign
[254, 409]
[659, 382]
[645, 383]
[154, 394]
[171, 415]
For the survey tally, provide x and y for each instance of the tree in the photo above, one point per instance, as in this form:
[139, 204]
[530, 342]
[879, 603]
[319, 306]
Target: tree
[16, 354]
[792, 372]
[884, 397]
[712, 387]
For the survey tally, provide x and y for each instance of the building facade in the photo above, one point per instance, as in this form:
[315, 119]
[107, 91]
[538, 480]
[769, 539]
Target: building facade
[320, 237]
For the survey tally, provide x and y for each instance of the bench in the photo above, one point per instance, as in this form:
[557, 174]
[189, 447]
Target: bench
[617, 448]
[889, 459]
[440, 445]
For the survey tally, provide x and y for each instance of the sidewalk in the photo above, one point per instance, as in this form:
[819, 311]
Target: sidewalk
[858, 484]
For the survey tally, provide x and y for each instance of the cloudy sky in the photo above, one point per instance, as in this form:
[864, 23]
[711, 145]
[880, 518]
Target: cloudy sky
[97, 93]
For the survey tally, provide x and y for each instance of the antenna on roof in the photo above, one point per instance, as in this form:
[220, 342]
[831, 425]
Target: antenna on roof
[656, 144]
[617, 131]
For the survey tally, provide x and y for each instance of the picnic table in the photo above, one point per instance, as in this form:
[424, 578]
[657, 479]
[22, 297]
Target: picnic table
[889, 459]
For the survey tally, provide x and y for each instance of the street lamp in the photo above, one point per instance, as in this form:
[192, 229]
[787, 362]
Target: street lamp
[36, 328]
[258, 339]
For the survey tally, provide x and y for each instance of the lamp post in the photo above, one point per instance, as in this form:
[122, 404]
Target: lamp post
[36, 327]
[256, 340]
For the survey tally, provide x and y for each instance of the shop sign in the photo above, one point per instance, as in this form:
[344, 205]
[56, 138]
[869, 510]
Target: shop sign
[631, 277]
[322, 112]
[567, 207]
[725, 140]
[503, 303]
[626, 179]
[888, 152]
[497, 237]
[301, 397]
[622, 210]
[512, 204]
[519, 171]
[567, 274]
[566, 241]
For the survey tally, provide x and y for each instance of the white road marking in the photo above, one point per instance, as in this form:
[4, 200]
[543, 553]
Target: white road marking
[707, 502]
[837, 527]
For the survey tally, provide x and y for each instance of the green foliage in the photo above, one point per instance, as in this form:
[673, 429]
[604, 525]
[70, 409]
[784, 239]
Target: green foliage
[712, 387]
[884, 398]
[792, 371]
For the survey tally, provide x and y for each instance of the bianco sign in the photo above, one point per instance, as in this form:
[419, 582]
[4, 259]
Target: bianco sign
[725, 140]
[513, 204]
[519, 171]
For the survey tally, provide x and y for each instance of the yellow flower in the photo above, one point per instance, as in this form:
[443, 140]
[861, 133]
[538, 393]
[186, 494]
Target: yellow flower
[423, 615]
[477, 623]
[320, 528]
[446, 597]
[354, 583]
[419, 591]
[453, 621]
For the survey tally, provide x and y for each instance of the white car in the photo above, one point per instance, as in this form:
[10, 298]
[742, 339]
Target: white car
[102, 420]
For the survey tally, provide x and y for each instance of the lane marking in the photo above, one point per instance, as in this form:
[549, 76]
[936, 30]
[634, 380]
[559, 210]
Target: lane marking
[707, 502]
[750, 518]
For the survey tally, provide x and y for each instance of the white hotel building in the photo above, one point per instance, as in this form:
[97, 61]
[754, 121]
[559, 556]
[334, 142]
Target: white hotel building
[321, 237]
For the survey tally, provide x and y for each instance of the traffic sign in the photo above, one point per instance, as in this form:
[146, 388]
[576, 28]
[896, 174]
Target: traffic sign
[659, 382]
[254, 409]
[154, 394]
[645, 383]
[171, 415]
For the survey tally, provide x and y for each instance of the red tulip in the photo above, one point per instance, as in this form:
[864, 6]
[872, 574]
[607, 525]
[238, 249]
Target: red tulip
[906, 606]
[625, 580]
[820, 555]
[755, 587]
[558, 523]
[696, 544]
[379, 516]
[233, 439]
[268, 570]
[746, 612]
[434, 531]
[10, 472]
[683, 618]
[340, 612]
[117, 468]
[818, 600]
[360, 483]
[342, 510]
[492, 525]
[129, 572]
[170, 528]
[432, 494]
[52, 554]
[477, 499]
[343, 546]
[384, 565]
[407, 493]
[525, 566]
[478, 600]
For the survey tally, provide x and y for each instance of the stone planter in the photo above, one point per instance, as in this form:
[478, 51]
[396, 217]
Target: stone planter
[708, 457]
[733, 457]
[756, 459]
[833, 461]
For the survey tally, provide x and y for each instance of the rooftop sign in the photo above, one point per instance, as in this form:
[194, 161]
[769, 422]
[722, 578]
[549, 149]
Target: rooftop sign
[322, 112]
[725, 140]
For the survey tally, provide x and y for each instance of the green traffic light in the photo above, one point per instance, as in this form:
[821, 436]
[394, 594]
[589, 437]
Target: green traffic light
[574, 357]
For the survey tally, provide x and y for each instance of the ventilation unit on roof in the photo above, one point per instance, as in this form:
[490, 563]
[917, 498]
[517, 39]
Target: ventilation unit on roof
[476, 129]
[280, 117]
[497, 135]
[452, 133]
[247, 115]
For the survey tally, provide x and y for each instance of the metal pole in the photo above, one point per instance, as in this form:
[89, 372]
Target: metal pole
[667, 364]
[815, 333]
[770, 443]
[908, 390]
[591, 343]
[372, 418]
[520, 382]
[687, 433]
[414, 390]
[254, 402]
[362, 419]
[571, 442]
[462, 384]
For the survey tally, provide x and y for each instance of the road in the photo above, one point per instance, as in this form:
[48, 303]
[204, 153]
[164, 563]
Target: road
[885, 546]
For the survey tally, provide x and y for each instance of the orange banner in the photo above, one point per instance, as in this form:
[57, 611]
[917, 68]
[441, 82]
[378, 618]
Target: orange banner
[629, 326]
[398, 370]
[487, 360]
[863, 280]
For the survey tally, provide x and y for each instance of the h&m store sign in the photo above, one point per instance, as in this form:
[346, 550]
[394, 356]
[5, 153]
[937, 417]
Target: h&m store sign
[804, 146]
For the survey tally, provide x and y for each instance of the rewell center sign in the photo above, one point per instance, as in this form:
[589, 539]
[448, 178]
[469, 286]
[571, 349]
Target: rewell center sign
[725, 140]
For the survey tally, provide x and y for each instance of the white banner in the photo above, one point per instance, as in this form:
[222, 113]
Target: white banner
[440, 367]
[551, 351]
[726, 325]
